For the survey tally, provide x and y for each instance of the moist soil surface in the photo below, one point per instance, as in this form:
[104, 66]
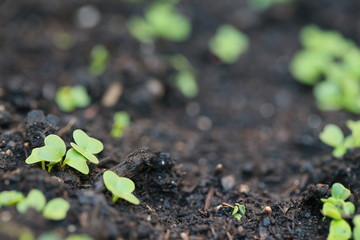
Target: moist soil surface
[249, 137]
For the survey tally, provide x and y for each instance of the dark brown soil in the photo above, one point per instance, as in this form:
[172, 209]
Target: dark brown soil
[264, 124]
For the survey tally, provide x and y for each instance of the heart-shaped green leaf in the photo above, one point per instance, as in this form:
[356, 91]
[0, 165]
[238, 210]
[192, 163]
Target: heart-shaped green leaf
[89, 144]
[339, 230]
[77, 161]
[54, 149]
[56, 209]
[34, 157]
[121, 187]
[339, 191]
[331, 211]
[8, 198]
[35, 199]
[89, 156]
[332, 135]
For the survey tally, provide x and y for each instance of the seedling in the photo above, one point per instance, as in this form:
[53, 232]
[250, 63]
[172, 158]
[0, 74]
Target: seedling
[99, 60]
[121, 121]
[328, 62]
[356, 230]
[69, 98]
[52, 152]
[264, 4]
[35, 199]
[56, 209]
[161, 20]
[228, 43]
[238, 211]
[334, 137]
[86, 146]
[120, 187]
[336, 208]
[9, 198]
[185, 79]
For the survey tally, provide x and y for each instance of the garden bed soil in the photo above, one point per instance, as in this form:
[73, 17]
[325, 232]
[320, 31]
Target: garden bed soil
[250, 136]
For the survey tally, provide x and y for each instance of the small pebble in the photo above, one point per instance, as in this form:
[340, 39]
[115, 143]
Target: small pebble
[204, 123]
[228, 182]
[244, 188]
[267, 209]
[87, 16]
[219, 168]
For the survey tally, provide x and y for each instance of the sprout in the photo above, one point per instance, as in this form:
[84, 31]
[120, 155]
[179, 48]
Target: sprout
[76, 161]
[8, 198]
[121, 121]
[356, 231]
[334, 137]
[69, 98]
[228, 43]
[238, 211]
[99, 60]
[56, 209]
[86, 146]
[120, 187]
[339, 230]
[35, 199]
[52, 152]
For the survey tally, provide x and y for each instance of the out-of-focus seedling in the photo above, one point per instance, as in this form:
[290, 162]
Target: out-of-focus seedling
[239, 211]
[69, 98]
[56, 209]
[9, 198]
[99, 60]
[264, 4]
[356, 230]
[52, 152]
[120, 187]
[185, 79]
[35, 199]
[121, 121]
[161, 20]
[78, 237]
[334, 137]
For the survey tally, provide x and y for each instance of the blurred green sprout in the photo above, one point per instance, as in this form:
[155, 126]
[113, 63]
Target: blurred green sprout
[9, 198]
[68, 98]
[161, 20]
[56, 209]
[228, 43]
[120, 187]
[121, 121]
[35, 199]
[238, 211]
[99, 60]
[329, 62]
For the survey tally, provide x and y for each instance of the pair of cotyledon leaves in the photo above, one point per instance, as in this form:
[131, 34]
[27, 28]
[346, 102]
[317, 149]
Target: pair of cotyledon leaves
[83, 149]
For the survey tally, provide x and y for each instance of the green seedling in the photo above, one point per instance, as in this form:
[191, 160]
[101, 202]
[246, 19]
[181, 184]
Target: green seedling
[185, 79]
[264, 4]
[228, 43]
[333, 136]
[329, 62]
[99, 60]
[35, 199]
[121, 121]
[238, 211]
[9, 198]
[120, 187]
[52, 152]
[86, 146]
[161, 20]
[69, 98]
[339, 230]
[77, 161]
[56, 209]
[356, 230]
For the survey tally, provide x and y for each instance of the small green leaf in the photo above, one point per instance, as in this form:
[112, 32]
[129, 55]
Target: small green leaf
[121, 121]
[356, 220]
[339, 230]
[77, 161]
[8, 198]
[89, 156]
[79, 237]
[331, 211]
[185, 81]
[54, 149]
[238, 216]
[332, 135]
[34, 157]
[69, 98]
[242, 209]
[99, 59]
[235, 210]
[88, 144]
[339, 191]
[35, 199]
[349, 208]
[56, 209]
[48, 236]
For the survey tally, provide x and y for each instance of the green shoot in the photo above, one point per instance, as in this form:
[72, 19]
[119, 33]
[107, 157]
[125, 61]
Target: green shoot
[228, 44]
[9, 198]
[339, 230]
[56, 209]
[86, 146]
[35, 199]
[52, 152]
[99, 60]
[238, 211]
[356, 231]
[120, 187]
[121, 121]
[161, 20]
[69, 98]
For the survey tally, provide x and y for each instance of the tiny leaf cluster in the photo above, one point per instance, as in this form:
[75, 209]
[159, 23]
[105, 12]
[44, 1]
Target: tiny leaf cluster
[121, 121]
[55, 209]
[330, 63]
[68, 98]
[185, 79]
[336, 208]
[53, 152]
[333, 136]
[161, 20]
[120, 187]
[239, 211]
[99, 60]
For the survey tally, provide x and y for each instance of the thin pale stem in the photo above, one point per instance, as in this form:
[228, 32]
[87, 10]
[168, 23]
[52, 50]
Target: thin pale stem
[115, 198]
[43, 165]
